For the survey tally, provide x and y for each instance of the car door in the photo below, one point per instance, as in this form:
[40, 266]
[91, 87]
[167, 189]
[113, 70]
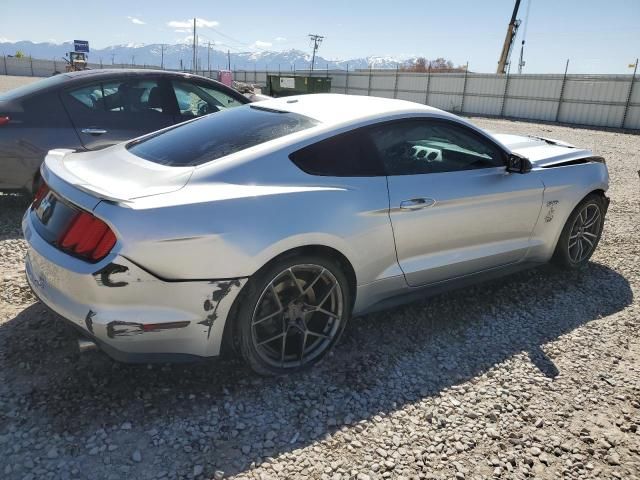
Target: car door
[106, 112]
[453, 207]
[197, 98]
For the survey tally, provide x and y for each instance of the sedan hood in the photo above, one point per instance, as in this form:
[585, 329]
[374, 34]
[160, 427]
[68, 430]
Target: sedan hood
[115, 174]
[541, 151]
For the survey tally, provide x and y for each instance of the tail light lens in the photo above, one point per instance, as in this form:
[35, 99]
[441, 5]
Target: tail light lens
[87, 237]
[42, 191]
[4, 120]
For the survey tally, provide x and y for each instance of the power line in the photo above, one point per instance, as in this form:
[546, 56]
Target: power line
[317, 40]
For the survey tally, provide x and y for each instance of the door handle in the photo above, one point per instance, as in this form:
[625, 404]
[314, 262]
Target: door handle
[417, 203]
[94, 131]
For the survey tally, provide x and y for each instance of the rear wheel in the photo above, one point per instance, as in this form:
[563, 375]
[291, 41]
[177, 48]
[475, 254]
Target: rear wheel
[293, 314]
[581, 233]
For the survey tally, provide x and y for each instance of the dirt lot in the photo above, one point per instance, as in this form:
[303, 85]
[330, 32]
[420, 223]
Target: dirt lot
[7, 82]
[533, 376]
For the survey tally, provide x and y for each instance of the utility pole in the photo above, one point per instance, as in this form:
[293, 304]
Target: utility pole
[113, 59]
[193, 63]
[317, 40]
[162, 56]
[209, 57]
[228, 59]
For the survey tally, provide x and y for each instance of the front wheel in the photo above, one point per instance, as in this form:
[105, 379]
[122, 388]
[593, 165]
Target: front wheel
[581, 233]
[292, 314]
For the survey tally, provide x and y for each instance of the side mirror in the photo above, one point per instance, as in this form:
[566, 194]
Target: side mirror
[518, 164]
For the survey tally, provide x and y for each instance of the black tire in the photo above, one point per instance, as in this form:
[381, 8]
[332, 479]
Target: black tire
[297, 323]
[565, 256]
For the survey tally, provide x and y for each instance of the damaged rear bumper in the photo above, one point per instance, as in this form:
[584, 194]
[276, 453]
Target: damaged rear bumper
[130, 313]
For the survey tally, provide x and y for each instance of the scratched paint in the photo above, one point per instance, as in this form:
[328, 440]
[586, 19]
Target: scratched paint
[551, 210]
[119, 328]
[212, 302]
[88, 320]
[104, 276]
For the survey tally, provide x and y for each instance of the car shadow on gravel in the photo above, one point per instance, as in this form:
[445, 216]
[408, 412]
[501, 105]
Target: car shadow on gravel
[229, 418]
[12, 207]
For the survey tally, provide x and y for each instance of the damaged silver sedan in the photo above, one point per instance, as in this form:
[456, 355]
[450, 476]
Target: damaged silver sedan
[264, 228]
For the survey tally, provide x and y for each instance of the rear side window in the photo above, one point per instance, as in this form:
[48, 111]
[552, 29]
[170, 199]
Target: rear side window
[217, 135]
[129, 95]
[345, 155]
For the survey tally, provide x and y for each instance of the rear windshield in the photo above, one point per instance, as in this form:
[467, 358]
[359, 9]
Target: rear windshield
[218, 135]
[33, 87]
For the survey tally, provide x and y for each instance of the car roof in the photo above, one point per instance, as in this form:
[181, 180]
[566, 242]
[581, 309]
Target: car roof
[335, 108]
[111, 72]
[70, 79]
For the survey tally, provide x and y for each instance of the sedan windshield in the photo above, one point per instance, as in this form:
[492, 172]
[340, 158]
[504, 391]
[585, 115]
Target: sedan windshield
[218, 135]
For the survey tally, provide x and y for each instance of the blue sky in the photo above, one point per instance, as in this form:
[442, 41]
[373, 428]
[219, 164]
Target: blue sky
[598, 36]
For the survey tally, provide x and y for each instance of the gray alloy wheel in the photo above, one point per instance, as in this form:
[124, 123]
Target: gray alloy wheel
[581, 233]
[298, 311]
[584, 233]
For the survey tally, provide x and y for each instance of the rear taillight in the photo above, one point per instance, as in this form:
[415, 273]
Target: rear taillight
[42, 191]
[4, 120]
[87, 237]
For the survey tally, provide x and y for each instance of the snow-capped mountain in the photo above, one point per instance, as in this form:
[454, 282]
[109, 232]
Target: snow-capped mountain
[181, 55]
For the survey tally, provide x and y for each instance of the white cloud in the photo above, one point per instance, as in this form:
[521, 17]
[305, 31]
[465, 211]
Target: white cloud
[281, 39]
[6, 40]
[261, 44]
[200, 22]
[136, 21]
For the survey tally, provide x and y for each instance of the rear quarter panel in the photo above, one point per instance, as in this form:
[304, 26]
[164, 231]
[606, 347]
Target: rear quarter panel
[248, 225]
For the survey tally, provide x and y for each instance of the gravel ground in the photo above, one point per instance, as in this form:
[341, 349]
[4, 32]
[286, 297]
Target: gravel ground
[7, 82]
[533, 376]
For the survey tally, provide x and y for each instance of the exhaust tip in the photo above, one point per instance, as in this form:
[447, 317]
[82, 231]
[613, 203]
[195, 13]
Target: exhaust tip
[85, 345]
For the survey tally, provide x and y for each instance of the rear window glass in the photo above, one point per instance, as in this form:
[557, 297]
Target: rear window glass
[218, 135]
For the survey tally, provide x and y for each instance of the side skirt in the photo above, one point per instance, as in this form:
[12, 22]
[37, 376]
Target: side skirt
[413, 294]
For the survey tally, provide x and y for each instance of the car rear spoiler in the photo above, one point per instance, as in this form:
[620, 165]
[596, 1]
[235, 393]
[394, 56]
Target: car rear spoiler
[62, 181]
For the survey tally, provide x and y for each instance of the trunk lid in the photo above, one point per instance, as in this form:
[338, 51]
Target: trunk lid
[111, 174]
[541, 151]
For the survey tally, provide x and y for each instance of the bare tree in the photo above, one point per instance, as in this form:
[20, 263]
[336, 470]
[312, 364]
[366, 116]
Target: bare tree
[440, 64]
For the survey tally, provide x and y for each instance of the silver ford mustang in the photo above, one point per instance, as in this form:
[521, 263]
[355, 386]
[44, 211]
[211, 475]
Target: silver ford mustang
[262, 229]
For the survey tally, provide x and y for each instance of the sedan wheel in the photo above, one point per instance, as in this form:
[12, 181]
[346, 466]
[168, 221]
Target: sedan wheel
[298, 314]
[581, 233]
[584, 233]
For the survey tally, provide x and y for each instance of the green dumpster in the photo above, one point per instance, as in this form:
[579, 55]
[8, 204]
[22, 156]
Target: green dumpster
[286, 85]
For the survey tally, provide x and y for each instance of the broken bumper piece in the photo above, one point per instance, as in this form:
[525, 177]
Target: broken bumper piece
[133, 315]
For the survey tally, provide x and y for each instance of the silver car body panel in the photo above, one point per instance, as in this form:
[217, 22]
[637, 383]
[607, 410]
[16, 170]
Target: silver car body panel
[178, 229]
